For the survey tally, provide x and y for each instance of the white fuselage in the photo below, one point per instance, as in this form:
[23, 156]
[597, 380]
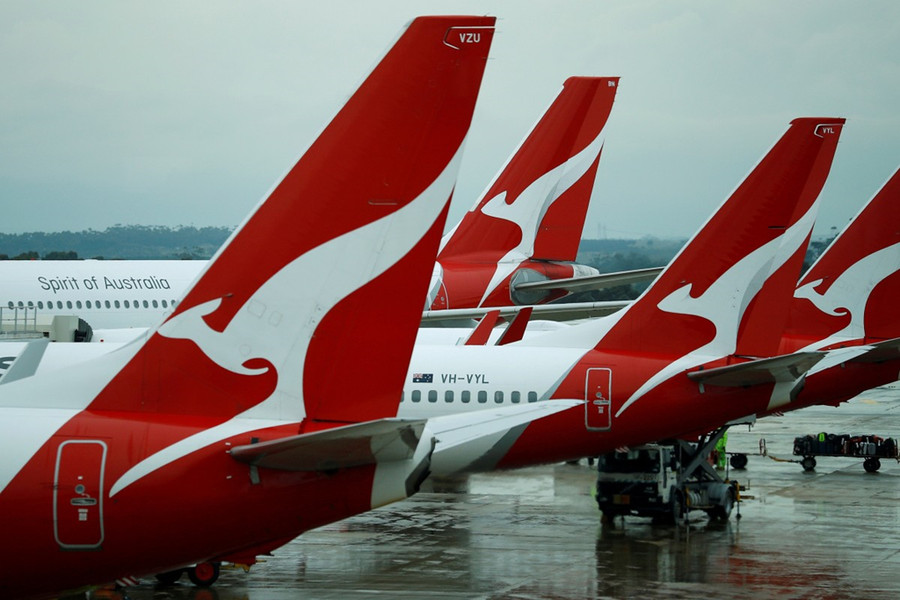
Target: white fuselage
[106, 294]
[453, 379]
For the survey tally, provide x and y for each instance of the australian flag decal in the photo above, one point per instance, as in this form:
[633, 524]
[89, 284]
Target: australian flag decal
[423, 377]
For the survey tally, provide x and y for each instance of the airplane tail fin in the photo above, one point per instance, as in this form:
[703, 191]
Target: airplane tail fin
[851, 291]
[26, 363]
[318, 294]
[766, 317]
[732, 270]
[536, 205]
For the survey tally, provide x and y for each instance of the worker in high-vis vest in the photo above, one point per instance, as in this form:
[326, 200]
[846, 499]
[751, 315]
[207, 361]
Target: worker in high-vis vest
[720, 451]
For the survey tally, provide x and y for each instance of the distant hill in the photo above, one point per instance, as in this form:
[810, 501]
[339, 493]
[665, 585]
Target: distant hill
[157, 242]
[118, 242]
[612, 255]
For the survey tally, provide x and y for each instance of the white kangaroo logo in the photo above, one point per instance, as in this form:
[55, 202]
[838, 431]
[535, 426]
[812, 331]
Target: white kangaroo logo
[724, 302]
[528, 210]
[850, 292]
[281, 317]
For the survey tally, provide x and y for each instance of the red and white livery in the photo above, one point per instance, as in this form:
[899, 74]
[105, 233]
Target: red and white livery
[228, 430]
[847, 304]
[688, 356]
[527, 224]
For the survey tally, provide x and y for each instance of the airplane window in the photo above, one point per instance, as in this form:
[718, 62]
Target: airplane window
[40, 304]
[532, 396]
[448, 396]
[69, 304]
[59, 304]
[146, 304]
[126, 304]
[30, 304]
[11, 305]
[498, 397]
[106, 302]
[432, 395]
[21, 304]
[137, 304]
[78, 304]
[164, 303]
[87, 303]
[402, 396]
[417, 396]
[116, 303]
[482, 396]
[515, 397]
[465, 396]
[155, 304]
[173, 303]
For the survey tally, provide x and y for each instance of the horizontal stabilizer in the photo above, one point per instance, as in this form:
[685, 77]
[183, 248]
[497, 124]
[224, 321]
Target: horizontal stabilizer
[544, 312]
[839, 356]
[592, 282]
[789, 367]
[880, 352]
[27, 362]
[380, 441]
[477, 440]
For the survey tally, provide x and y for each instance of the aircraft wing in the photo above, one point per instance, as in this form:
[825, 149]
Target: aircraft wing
[545, 312]
[788, 367]
[476, 440]
[384, 440]
[592, 282]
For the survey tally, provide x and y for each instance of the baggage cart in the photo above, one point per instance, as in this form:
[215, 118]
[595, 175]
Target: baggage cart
[871, 448]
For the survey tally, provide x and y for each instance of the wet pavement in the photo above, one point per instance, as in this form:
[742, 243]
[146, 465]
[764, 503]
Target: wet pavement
[536, 533]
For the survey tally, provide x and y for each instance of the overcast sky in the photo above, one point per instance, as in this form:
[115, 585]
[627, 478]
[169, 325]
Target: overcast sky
[186, 113]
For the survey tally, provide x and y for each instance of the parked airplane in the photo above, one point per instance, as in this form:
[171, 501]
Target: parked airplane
[674, 362]
[108, 294]
[846, 304]
[228, 425]
[525, 228]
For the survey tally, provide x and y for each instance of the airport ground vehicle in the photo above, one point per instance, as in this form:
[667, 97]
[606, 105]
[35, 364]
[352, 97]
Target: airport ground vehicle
[664, 481]
[872, 448]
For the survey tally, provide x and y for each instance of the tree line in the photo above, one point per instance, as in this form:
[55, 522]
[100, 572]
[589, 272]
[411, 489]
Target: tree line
[117, 242]
[193, 243]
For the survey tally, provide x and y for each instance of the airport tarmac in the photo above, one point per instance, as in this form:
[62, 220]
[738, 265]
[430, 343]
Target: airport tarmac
[537, 534]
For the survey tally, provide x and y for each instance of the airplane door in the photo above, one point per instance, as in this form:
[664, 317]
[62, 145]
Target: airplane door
[78, 494]
[598, 399]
